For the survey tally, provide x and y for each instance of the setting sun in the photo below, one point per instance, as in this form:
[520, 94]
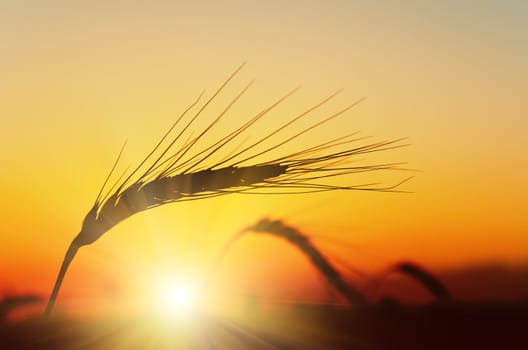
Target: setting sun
[177, 298]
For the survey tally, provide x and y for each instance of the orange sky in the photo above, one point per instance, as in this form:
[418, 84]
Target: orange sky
[78, 79]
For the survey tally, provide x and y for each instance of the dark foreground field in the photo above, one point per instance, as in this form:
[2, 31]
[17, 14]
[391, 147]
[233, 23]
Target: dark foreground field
[383, 326]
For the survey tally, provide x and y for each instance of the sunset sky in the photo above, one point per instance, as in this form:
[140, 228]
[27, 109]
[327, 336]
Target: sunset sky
[79, 78]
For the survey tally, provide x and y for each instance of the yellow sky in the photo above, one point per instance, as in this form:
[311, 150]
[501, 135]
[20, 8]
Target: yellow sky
[80, 78]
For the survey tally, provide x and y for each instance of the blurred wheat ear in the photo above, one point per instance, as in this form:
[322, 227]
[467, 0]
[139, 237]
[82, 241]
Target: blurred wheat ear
[172, 173]
[306, 246]
[432, 284]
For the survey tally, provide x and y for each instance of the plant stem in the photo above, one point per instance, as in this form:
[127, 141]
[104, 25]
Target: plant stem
[70, 254]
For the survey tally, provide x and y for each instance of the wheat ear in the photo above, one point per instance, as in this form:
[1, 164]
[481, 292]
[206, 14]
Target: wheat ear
[181, 175]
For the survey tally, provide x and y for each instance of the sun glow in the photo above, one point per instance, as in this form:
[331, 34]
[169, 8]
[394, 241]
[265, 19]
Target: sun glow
[177, 298]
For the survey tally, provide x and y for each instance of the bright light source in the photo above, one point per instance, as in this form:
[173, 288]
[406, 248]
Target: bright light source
[177, 298]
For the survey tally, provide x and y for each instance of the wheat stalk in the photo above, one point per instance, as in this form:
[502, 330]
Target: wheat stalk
[175, 177]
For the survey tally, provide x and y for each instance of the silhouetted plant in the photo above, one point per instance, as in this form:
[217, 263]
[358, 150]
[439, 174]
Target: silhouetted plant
[10, 303]
[175, 176]
[433, 285]
[418, 273]
[304, 244]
